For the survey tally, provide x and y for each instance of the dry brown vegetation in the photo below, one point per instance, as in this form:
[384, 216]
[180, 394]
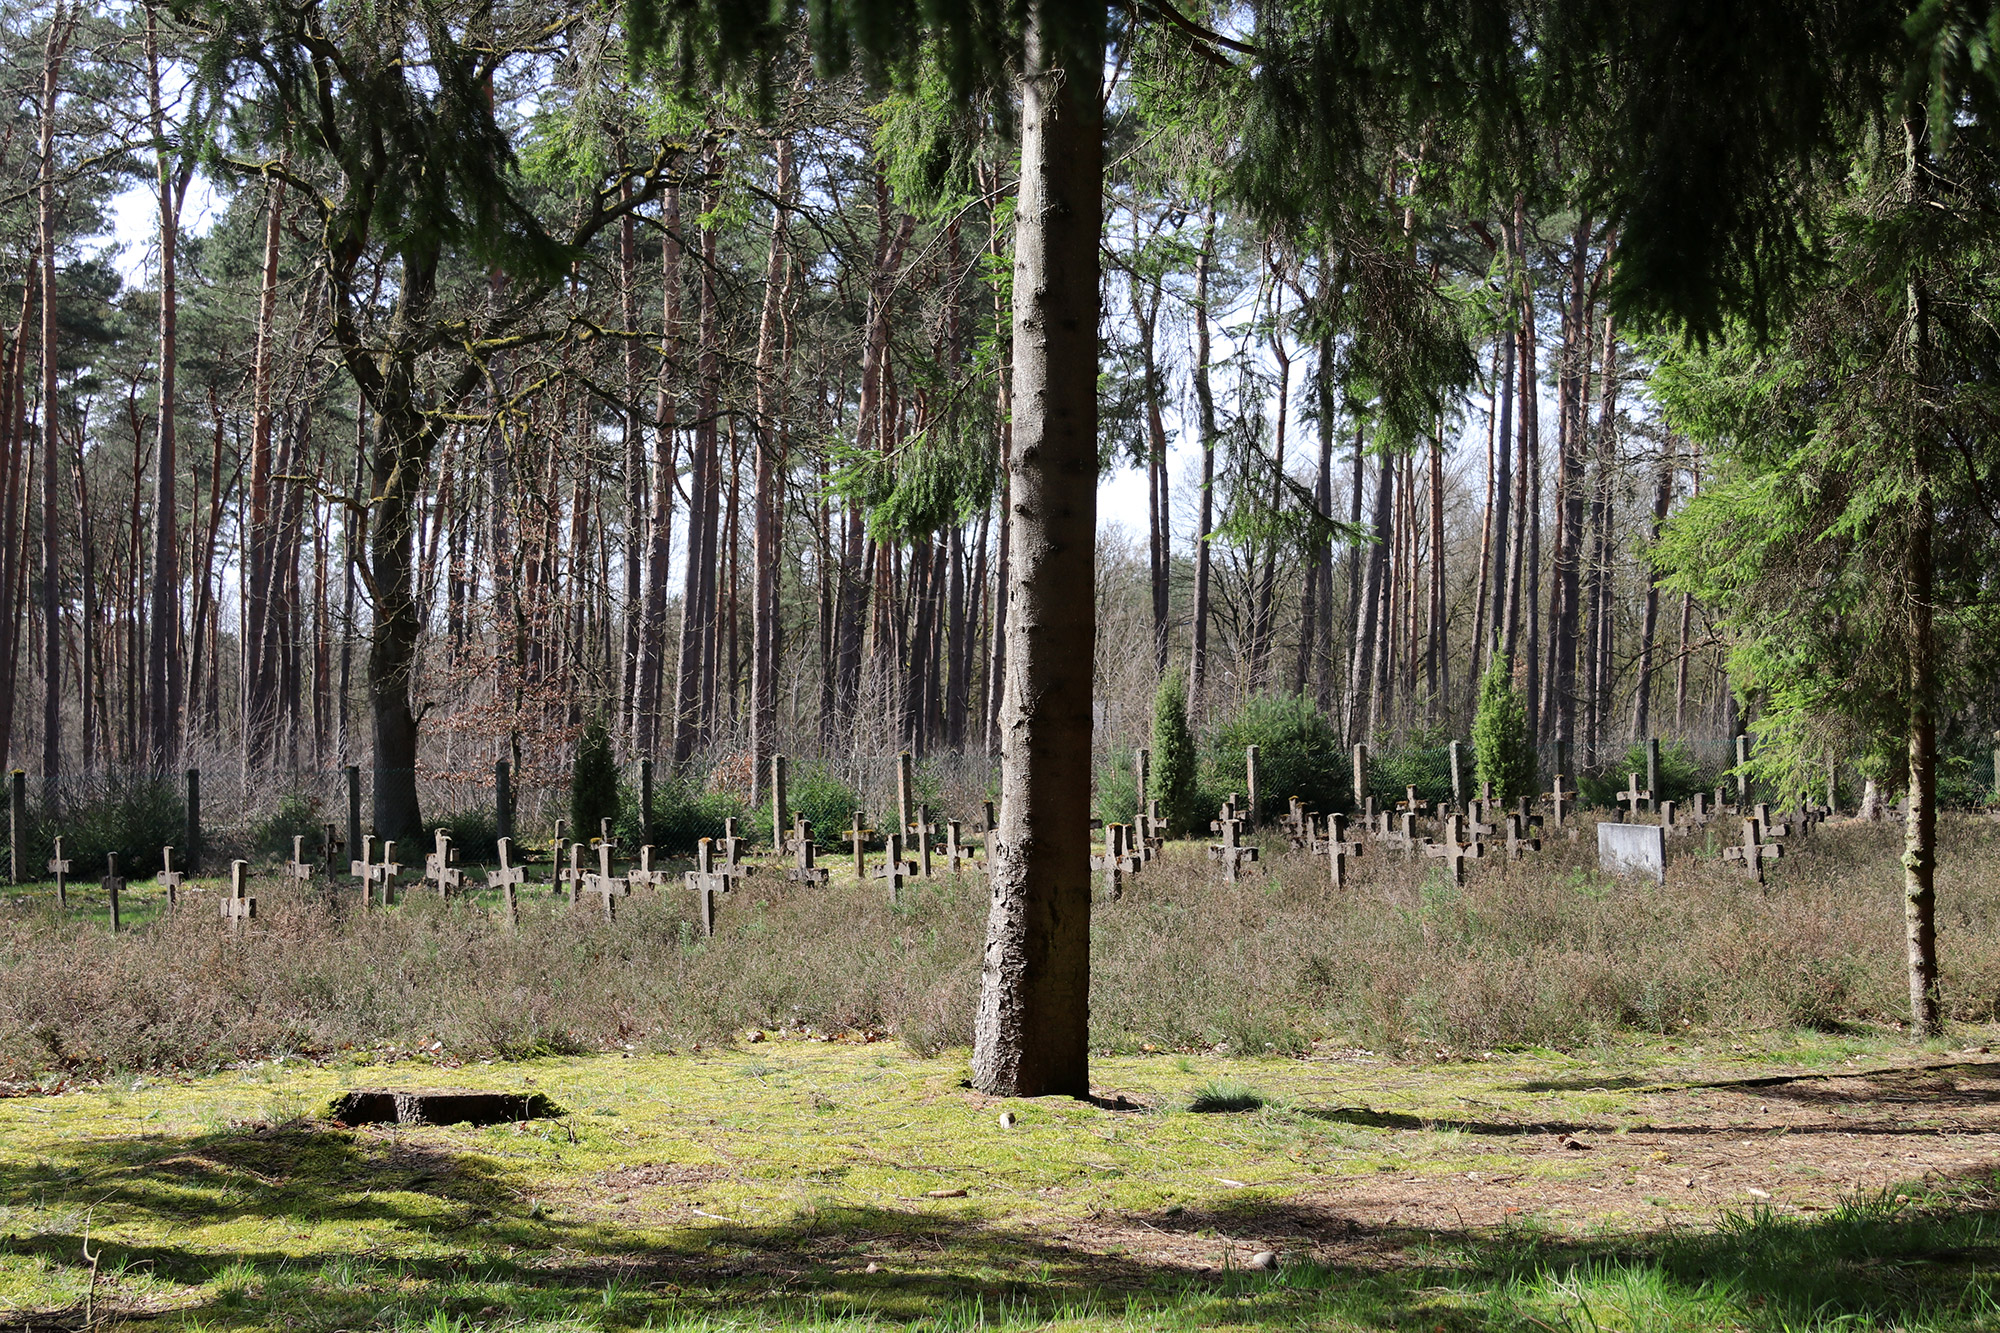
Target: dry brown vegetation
[1543, 952]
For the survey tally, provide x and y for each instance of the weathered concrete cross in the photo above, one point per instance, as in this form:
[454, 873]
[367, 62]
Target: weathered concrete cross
[1229, 853]
[642, 875]
[706, 883]
[1452, 849]
[1765, 827]
[805, 864]
[330, 847]
[298, 867]
[574, 878]
[385, 872]
[1521, 838]
[59, 866]
[608, 887]
[1753, 853]
[169, 878]
[1112, 863]
[1632, 796]
[364, 869]
[1338, 847]
[857, 837]
[114, 884]
[556, 845]
[895, 869]
[238, 906]
[956, 854]
[508, 879]
[1559, 800]
[1410, 805]
[441, 866]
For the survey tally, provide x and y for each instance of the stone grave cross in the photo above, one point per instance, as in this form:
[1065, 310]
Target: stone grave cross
[385, 872]
[1766, 828]
[364, 869]
[441, 866]
[330, 847]
[732, 850]
[1112, 863]
[1230, 853]
[805, 866]
[556, 846]
[573, 878]
[508, 878]
[1452, 849]
[59, 866]
[169, 878]
[857, 837]
[1630, 798]
[1338, 847]
[706, 883]
[923, 831]
[1410, 805]
[642, 875]
[606, 886]
[114, 884]
[1753, 853]
[238, 906]
[1560, 800]
[956, 854]
[1521, 838]
[895, 870]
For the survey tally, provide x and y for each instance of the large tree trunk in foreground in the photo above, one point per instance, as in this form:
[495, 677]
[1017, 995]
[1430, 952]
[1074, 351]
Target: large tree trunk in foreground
[1032, 1034]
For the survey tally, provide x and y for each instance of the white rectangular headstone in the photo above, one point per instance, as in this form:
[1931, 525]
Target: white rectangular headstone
[1632, 849]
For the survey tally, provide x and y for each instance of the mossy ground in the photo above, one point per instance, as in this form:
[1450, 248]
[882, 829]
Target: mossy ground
[1786, 1181]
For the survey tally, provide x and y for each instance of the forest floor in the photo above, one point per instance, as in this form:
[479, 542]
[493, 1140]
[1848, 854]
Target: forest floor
[1784, 1180]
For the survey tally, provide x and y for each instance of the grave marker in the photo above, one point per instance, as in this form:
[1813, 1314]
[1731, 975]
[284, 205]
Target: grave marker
[1652, 766]
[1230, 854]
[386, 871]
[1451, 849]
[1338, 848]
[1521, 838]
[1410, 805]
[507, 879]
[706, 884]
[574, 877]
[895, 870]
[956, 853]
[17, 826]
[59, 866]
[780, 804]
[642, 875]
[924, 841]
[238, 906]
[1631, 798]
[1754, 852]
[805, 866]
[169, 878]
[441, 866]
[857, 838]
[556, 845]
[1361, 799]
[1559, 800]
[1629, 849]
[608, 887]
[330, 847]
[1457, 777]
[1112, 863]
[904, 781]
[298, 868]
[114, 884]
[1250, 780]
[364, 869]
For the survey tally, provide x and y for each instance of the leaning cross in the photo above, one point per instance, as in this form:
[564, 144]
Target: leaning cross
[114, 883]
[507, 879]
[238, 907]
[1631, 796]
[170, 879]
[706, 883]
[1454, 852]
[1753, 853]
[59, 866]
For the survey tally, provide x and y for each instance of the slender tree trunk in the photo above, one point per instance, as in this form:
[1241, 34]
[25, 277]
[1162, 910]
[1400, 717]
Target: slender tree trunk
[767, 652]
[633, 429]
[61, 24]
[1920, 825]
[1031, 1037]
[660, 525]
[1663, 495]
[1502, 498]
[1205, 400]
[1361, 659]
[261, 540]
[163, 648]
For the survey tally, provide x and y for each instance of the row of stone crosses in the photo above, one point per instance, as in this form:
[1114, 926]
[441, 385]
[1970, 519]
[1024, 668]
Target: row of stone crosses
[1485, 829]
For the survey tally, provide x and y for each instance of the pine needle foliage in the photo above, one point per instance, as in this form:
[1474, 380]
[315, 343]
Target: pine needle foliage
[593, 793]
[1502, 754]
[1173, 755]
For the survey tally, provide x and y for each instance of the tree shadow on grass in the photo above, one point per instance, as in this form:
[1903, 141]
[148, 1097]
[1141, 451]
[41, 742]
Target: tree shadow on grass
[468, 1242]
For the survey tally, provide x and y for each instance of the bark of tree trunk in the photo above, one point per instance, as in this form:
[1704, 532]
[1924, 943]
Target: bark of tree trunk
[61, 24]
[660, 524]
[261, 540]
[1205, 402]
[163, 648]
[766, 648]
[1032, 1030]
[1663, 496]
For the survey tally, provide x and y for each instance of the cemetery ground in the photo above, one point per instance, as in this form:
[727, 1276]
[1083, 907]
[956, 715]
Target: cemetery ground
[1544, 1099]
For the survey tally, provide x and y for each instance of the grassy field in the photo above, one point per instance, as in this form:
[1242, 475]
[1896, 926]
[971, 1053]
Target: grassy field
[1543, 1100]
[1797, 1181]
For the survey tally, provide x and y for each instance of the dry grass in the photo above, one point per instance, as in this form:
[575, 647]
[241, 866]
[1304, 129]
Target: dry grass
[1542, 953]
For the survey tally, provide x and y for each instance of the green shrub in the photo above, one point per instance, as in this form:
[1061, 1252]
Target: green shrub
[474, 834]
[593, 793]
[1173, 757]
[134, 817]
[815, 791]
[684, 814]
[1681, 774]
[1117, 791]
[1298, 753]
[1423, 765]
[1502, 752]
[299, 814]
[1224, 1095]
